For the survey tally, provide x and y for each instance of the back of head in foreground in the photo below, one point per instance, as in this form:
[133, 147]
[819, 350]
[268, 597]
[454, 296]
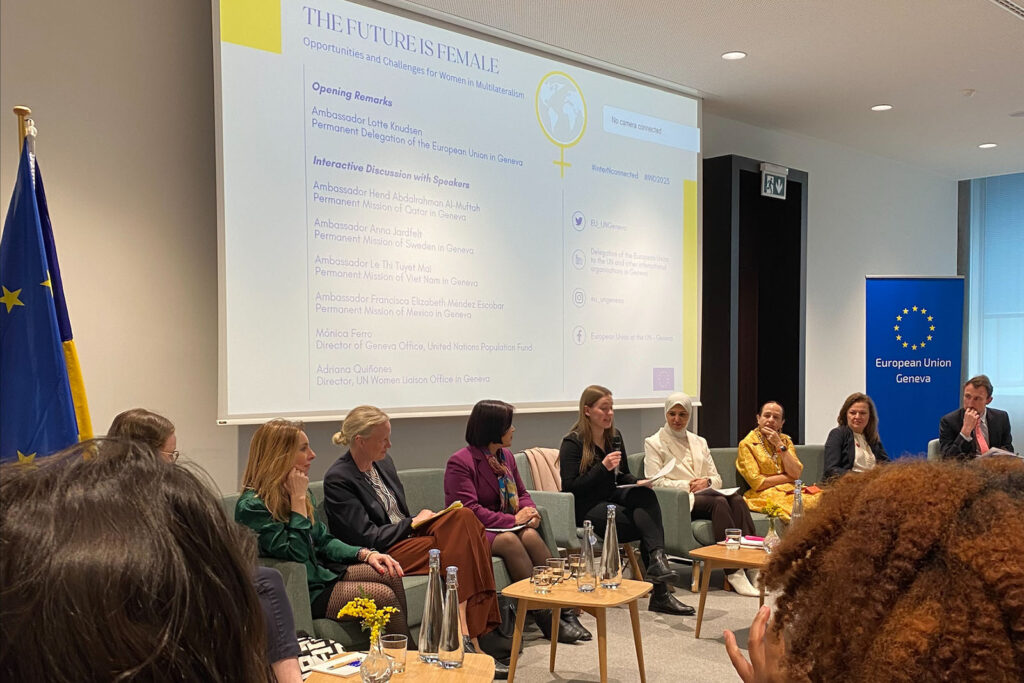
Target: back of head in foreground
[910, 572]
[120, 567]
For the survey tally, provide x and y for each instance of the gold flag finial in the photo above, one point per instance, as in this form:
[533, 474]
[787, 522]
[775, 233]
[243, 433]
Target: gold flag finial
[23, 123]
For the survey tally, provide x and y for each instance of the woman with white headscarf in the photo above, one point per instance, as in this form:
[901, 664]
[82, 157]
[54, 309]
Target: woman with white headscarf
[694, 471]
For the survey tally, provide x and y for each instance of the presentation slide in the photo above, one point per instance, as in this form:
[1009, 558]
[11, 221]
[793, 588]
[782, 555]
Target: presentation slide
[417, 218]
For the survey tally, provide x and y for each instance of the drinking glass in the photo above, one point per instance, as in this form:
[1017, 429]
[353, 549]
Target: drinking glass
[395, 647]
[575, 562]
[541, 580]
[732, 538]
[556, 567]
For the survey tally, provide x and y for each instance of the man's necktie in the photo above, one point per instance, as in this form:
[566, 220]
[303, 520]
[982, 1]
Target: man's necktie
[980, 438]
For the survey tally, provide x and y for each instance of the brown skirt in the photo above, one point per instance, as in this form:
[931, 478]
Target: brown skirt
[459, 536]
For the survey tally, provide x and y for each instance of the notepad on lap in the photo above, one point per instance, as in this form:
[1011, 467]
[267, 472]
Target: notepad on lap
[454, 506]
[517, 527]
[661, 473]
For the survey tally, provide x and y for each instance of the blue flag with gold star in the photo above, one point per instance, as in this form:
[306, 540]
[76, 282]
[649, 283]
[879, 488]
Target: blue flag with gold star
[914, 341]
[37, 409]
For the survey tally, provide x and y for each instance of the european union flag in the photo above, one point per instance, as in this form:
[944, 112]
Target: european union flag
[39, 370]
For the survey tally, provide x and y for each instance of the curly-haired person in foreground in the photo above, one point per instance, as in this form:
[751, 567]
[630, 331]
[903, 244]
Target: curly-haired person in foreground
[912, 572]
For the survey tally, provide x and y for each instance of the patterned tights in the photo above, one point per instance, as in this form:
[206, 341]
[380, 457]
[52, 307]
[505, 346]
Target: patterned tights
[385, 590]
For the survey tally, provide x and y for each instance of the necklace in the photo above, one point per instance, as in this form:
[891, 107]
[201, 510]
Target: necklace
[770, 453]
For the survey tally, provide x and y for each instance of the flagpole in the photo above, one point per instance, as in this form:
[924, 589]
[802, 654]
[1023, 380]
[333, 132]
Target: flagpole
[22, 113]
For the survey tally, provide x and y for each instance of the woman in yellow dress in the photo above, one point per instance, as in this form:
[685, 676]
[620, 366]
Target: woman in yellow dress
[767, 460]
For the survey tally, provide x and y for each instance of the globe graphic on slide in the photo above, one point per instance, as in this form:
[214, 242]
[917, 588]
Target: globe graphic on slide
[560, 109]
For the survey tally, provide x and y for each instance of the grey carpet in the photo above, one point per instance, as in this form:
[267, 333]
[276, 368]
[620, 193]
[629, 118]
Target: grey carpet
[671, 653]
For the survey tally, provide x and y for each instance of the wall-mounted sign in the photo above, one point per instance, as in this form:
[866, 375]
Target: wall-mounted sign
[773, 181]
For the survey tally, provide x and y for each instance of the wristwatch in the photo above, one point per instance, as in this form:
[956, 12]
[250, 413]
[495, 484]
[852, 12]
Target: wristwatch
[783, 447]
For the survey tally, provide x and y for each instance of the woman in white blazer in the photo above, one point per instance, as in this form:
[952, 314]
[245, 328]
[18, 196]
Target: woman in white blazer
[694, 472]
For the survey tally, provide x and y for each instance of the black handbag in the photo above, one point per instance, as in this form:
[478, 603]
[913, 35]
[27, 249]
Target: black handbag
[507, 609]
[498, 643]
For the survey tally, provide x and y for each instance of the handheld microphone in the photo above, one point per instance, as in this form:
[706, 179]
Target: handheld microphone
[617, 446]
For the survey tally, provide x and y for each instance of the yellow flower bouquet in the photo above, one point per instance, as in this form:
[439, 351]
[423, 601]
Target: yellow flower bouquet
[773, 509]
[373, 619]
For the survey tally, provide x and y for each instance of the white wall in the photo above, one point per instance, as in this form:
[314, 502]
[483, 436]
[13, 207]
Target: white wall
[866, 216]
[123, 98]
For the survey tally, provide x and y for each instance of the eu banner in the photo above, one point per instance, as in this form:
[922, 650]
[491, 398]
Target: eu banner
[914, 341]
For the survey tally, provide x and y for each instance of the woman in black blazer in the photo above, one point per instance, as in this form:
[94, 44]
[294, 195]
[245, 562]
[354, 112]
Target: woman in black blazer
[854, 446]
[592, 465]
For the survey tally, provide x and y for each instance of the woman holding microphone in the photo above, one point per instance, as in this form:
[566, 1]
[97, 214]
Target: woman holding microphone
[592, 467]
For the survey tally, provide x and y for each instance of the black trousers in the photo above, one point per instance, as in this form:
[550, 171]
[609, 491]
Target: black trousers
[637, 518]
[277, 615]
[725, 512]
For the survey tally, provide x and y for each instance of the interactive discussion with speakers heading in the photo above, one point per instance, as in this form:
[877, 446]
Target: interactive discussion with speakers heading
[416, 217]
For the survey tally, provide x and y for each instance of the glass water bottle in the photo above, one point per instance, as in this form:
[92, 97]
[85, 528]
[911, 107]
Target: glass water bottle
[586, 576]
[798, 501]
[611, 565]
[450, 651]
[430, 627]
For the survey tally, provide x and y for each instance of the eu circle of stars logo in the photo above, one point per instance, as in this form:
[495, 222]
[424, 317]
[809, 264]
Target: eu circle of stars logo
[914, 328]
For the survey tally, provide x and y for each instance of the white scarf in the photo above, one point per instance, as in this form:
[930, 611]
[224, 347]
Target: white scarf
[677, 444]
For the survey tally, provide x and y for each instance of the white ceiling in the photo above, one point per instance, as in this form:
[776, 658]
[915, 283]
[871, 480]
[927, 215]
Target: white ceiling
[815, 67]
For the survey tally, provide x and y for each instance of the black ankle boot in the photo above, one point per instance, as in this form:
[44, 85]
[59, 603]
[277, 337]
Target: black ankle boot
[571, 618]
[664, 602]
[659, 571]
[567, 633]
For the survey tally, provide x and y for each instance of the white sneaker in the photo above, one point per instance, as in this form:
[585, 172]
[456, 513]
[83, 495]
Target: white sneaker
[738, 580]
[753, 575]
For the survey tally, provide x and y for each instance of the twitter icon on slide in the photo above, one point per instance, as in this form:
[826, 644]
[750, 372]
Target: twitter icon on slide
[578, 219]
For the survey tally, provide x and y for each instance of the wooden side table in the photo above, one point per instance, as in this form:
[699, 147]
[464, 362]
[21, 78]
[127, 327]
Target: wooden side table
[595, 603]
[476, 668]
[719, 557]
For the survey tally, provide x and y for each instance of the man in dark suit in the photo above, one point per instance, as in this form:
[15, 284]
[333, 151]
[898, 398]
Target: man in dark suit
[974, 429]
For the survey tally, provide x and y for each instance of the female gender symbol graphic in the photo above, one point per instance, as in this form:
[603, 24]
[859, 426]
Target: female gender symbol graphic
[561, 112]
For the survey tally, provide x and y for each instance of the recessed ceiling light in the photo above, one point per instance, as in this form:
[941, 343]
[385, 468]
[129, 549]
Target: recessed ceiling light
[881, 107]
[735, 54]
[987, 145]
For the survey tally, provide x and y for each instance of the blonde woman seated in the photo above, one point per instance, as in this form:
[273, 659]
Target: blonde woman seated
[365, 504]
[767, 460]
[277, 505]
[694, 472]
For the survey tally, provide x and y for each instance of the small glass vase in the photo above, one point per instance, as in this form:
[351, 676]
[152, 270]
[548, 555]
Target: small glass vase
[376, 668]
[771, 539]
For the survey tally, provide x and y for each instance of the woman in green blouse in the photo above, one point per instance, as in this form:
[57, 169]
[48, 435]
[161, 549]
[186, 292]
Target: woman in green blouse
[277, 505]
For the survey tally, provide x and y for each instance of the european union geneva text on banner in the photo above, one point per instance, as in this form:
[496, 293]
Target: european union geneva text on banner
[914, 338]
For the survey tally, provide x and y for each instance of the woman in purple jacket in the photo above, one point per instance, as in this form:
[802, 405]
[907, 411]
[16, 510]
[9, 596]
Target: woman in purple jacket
[484, 476]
